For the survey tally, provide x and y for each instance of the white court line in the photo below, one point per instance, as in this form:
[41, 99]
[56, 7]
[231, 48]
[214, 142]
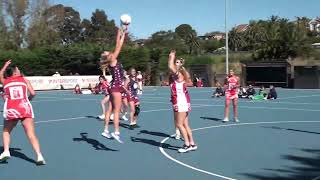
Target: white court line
[316, 178]
[217, 126]
[294, 97]
[83, 117]
[202, 105]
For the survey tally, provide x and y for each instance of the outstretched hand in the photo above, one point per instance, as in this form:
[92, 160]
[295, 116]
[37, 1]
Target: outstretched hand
[172, 54]
[7, 63]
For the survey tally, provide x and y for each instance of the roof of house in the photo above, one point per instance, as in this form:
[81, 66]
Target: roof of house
[241, 27]
[315, 20]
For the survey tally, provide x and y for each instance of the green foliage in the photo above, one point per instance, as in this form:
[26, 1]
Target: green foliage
[57, 40]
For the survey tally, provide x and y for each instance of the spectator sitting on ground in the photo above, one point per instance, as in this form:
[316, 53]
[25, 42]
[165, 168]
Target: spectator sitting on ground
[199, 82]
[242, 92]
[77, 89]
[90, 90]
[250, 91]
[219, 91]
[262, 94]
[272, 93]
[195, 80]
[97, 89]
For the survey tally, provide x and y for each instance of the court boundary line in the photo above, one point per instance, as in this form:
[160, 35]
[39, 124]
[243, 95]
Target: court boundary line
[83, 117]
[218, 126]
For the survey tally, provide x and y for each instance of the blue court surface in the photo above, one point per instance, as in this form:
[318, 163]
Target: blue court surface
[274, 140]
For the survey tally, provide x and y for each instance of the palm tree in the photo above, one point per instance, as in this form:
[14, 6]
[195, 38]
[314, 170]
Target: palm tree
[236, 40]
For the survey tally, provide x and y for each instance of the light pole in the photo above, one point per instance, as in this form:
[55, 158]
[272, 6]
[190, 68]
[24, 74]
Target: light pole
[227, 40]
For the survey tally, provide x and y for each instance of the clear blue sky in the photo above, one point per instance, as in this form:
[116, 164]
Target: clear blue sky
[150, 16]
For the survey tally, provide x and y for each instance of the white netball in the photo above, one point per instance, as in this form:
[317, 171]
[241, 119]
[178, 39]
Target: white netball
[125, 19]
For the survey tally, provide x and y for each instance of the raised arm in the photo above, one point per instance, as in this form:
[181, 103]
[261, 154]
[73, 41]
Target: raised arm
[3, 69]
[119, 42]
[171, 64]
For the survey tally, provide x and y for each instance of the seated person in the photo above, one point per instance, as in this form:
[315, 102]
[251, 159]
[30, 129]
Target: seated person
[97, 89]
[77, 89]
[250, 91]
[199, 82]
[262, 94]
[219, 91]
[272, 93]
[242, 92]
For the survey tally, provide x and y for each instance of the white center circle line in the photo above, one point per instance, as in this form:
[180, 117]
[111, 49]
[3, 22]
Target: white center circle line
[217, 126]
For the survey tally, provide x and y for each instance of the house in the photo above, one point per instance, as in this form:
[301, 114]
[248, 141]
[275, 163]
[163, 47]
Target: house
[241, 28]
[214, 35]
[139, 42]
[314, 24]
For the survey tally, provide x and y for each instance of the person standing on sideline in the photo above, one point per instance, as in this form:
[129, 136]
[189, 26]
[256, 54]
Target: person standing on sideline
[231, 92]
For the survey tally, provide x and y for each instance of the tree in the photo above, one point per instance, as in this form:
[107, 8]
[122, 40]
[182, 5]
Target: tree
[236, 40]
[3, 28]
[186, 33]
[101, 31]
[16, 11]
[39, 33]
[65, 22]
[276, 38]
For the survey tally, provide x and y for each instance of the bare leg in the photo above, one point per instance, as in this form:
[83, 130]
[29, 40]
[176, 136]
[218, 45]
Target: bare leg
[28, 126]
[7, 128]
[180, 124]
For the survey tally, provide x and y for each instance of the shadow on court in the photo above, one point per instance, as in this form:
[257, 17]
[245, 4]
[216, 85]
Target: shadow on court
[160, 134]
[127, 126]
[308, 168]
[211, 118]
[94, 117]
[154, 143]
[95, 144]
[15, 152]
[290, 129]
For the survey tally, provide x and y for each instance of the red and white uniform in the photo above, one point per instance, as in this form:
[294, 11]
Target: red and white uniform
[231, 89]
[180, 97]
[104, 86]
[17, 104]
[139, 78]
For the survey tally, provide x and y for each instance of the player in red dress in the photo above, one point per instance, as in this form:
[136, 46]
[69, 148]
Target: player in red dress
[104, 88]
[180, 99]
[231, 92]
[17, 107]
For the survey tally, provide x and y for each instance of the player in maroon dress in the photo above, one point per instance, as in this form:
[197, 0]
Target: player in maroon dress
[109, 60]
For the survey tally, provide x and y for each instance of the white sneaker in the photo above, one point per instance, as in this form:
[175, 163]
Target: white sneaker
[124, 118]
[184, 149]
[111, 116]
[106, 134]
[40, 160]
[236, 120]
[4, 156]
[102, 116]
[177, 136]
[116, 137]
[193, 147]
[225, 120]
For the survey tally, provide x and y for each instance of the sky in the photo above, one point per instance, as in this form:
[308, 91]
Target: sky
[150, 16]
